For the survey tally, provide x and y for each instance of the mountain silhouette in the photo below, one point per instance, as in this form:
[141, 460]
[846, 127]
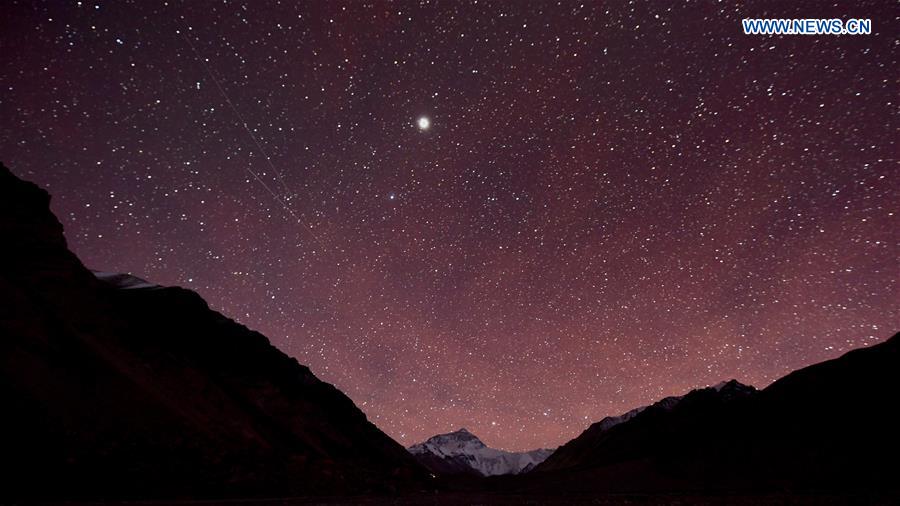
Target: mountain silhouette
[830, 426]
[117, 388]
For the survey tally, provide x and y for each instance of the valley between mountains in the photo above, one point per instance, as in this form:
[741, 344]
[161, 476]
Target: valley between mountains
[116, 388]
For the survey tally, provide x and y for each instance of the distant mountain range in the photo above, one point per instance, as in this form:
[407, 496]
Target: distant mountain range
[461, 452]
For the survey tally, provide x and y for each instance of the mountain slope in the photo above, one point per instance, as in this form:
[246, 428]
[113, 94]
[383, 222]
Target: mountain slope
[461, 452]
[115, 387]
[830, 426]
[641, 430]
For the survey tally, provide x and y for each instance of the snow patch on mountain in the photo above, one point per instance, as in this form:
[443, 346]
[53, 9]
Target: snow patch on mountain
[123, 281]
[611, 421]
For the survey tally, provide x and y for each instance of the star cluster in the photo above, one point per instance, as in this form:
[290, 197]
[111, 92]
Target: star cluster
[517, 217]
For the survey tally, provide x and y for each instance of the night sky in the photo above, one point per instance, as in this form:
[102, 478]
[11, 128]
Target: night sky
[611, 203]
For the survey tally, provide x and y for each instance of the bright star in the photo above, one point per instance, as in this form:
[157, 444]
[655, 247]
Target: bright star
[424, 123]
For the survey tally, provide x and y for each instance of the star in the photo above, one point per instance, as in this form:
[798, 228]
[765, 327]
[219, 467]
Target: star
[563, 215]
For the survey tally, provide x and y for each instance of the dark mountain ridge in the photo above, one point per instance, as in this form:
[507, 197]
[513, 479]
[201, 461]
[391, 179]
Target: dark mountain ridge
[608, 440]
[830, 426]
[113, 391]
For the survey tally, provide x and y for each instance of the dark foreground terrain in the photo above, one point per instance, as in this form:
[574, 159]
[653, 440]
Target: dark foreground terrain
[450, 499]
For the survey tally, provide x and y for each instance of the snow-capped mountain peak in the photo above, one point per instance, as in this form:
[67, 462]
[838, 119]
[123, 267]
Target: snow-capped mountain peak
[462, 451]
[450, 444]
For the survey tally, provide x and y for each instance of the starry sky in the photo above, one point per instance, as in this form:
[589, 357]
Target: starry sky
[514, 217]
